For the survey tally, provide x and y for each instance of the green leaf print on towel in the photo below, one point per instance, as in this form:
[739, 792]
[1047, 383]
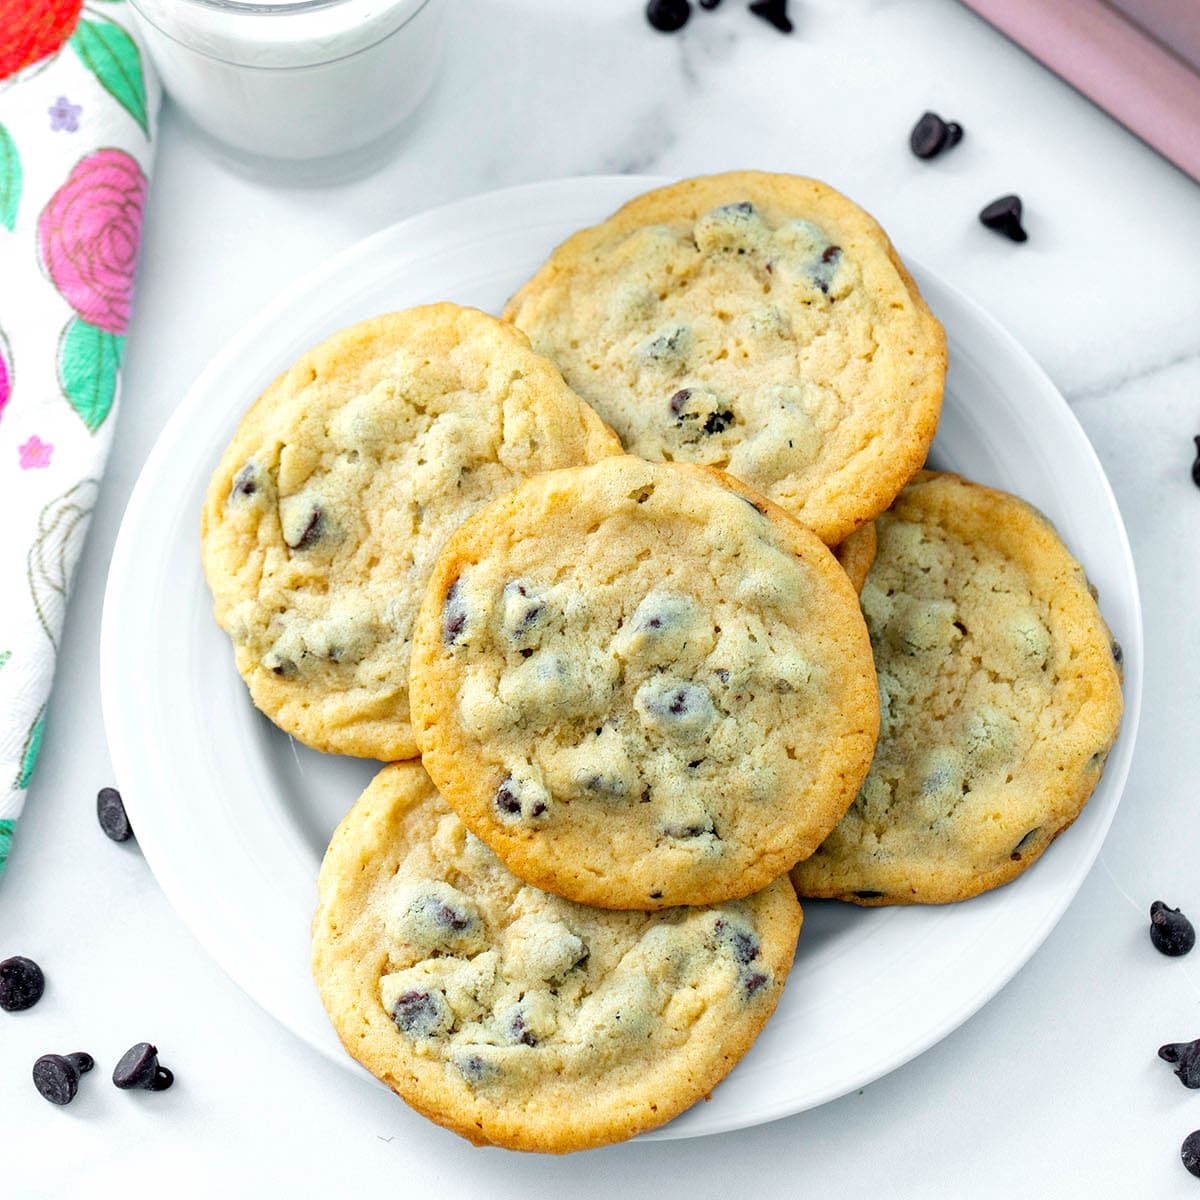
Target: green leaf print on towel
[29, 751]
[6, 832]
[89, 359]
[11, 179]
[112, 56]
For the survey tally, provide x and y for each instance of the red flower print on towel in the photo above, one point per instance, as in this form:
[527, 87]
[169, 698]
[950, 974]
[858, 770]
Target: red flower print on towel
[33, 30]
[88, 235]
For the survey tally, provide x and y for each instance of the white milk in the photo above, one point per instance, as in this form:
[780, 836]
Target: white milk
[295, 79]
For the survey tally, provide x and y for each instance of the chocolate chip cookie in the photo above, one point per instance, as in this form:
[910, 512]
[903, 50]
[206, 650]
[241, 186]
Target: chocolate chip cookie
[1001, 694]
[336, 494]
[761, 324]
[514, 1017]
[643, 684]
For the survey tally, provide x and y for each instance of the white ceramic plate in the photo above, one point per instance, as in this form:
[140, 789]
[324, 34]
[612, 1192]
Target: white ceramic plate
[233, 816]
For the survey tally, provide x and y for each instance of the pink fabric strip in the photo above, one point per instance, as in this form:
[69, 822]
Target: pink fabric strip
[1112, 62]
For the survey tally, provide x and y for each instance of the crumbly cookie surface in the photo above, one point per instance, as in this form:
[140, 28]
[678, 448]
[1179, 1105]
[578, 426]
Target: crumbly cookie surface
[515, 1017]
[1001, 694]
[757, 323]
[343, 481]
[643, 685]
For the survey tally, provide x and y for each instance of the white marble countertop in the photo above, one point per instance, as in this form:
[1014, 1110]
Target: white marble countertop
[1053, 1089]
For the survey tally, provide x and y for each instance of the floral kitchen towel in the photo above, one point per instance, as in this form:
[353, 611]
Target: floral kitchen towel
[78, 103]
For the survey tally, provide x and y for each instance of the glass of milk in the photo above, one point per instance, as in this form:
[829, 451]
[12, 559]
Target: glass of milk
[296, 81]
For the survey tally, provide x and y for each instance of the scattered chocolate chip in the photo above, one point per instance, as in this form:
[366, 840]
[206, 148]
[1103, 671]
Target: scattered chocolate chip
[668, 16]
[21, 983]
[931, 135]
[1190, 1153]
[774, 12]
[1196, 463]
[656, 895]
[718, 422]
[537, 808]
[139, 1068]
[694, 763]
[720, 672]
[868, 895]
[1004, 216]
[56, 1076]
[1117, 653]
[1170, 931]
[454, 615]
[278, 665]
[1186, 1056]
[110, 812]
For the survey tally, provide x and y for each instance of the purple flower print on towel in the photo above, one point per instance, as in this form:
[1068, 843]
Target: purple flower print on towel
[64, 115]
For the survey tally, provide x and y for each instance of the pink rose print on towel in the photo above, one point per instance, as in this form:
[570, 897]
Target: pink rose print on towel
[88, 236]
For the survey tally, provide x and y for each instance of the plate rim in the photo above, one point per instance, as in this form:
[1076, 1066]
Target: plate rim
[262, 324]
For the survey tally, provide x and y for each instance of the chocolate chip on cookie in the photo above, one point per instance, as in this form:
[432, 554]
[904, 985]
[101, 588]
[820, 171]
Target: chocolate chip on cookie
[522, 799]
[422, 1014]
[302, 519]
[454, 613]
[247, 482]
[522, 612]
